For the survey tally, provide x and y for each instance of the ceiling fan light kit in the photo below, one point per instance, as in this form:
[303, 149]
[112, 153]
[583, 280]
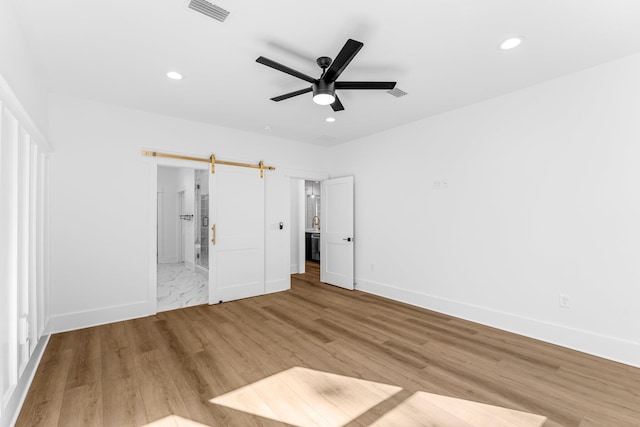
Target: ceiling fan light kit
[324, 88]
[324, 92]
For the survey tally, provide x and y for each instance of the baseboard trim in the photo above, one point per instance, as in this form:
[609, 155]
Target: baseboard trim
[201, 270]
[14, 406]
[101, 316]
[607, 347]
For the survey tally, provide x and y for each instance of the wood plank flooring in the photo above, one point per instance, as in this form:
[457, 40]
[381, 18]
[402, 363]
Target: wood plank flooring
[321, 355]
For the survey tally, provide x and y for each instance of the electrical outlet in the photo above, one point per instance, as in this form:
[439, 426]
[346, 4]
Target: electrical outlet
[440, 184]
[564, 301]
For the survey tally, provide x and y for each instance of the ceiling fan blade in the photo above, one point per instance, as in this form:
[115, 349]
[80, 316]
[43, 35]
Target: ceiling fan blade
[348, 52]
[291, 94]
[365, 85]
[337, 105]
[275, 65]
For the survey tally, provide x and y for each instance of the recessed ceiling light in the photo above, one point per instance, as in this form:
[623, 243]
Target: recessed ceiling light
[511, 42]
[174, 75]
[330, 119]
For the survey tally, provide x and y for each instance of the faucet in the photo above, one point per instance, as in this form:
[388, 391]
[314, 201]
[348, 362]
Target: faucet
[315, 222]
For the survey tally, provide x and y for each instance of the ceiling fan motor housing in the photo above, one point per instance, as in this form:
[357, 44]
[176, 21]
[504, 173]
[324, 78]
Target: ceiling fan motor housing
[321, 87]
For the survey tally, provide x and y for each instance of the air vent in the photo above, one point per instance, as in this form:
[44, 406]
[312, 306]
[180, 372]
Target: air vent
[209, 9]
[398, 93]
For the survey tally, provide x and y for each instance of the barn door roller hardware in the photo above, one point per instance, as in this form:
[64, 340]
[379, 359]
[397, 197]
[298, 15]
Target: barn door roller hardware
[212, 160]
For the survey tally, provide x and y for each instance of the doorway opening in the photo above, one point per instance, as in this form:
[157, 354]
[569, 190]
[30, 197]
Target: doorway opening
[312, 191]
[182, 267]
[306, 224]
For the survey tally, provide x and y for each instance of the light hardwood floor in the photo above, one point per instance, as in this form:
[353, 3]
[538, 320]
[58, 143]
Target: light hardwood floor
[320, 355]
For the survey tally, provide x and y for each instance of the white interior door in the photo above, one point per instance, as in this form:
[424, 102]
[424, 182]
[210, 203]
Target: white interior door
[336, 232]
[236, 234]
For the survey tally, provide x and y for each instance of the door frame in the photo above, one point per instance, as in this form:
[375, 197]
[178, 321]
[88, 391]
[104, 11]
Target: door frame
[152, 195]
[181, 226]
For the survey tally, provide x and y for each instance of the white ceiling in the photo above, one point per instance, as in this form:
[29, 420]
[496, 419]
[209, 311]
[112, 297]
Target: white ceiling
[444, 53]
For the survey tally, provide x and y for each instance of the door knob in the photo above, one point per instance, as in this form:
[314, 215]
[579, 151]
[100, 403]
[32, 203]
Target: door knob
[348, 239]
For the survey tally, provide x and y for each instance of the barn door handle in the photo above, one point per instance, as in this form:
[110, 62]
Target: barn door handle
[213, 234]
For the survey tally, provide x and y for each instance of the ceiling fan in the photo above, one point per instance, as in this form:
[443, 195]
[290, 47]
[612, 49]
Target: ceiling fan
[324, 88]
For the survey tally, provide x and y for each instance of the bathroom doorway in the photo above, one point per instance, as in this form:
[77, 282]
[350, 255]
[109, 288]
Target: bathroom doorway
[306, 225]
[182, 272]
[312, 221]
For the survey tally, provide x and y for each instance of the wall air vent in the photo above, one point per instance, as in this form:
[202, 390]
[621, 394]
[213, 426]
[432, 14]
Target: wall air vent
[398, 93]
[209, 9]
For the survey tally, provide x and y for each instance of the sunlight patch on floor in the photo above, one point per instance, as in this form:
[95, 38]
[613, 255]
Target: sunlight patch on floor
[426, 409]
[306, 397]
[174, 421]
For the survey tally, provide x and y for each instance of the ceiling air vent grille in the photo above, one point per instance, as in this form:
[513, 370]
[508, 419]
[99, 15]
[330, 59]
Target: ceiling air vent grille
[398, 93]
[209, 9]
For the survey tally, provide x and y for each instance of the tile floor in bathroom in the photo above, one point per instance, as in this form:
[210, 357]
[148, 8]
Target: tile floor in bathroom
[179, 287]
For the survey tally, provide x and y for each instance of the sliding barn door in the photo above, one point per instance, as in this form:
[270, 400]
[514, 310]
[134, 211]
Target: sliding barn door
[236, 234]
[336, 238]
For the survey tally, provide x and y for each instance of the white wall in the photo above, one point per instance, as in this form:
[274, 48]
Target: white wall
[277, 239]
[100, 210]
[186, 185]
[19, 68]
[176, 237]
[542, 199]
[167, 215]
[297, 224]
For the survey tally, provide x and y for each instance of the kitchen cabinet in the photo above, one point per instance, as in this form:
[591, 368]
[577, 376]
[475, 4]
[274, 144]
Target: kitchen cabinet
[312, 246]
